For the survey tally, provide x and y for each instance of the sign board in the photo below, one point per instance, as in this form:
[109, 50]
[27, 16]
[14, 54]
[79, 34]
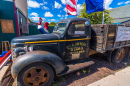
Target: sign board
[123, 34]
[79, 32]
[7, 26]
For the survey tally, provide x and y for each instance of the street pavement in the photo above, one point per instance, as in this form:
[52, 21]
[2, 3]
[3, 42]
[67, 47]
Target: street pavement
[2, 72]
[121, 78]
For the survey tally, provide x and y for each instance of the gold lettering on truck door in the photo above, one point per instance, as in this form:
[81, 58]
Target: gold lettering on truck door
[76, 48]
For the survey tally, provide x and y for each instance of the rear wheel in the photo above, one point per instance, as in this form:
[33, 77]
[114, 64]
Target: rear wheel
[38, 74]
[118, 55]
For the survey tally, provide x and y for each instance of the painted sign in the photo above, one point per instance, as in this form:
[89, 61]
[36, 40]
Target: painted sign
[76, 48]
[123, 34]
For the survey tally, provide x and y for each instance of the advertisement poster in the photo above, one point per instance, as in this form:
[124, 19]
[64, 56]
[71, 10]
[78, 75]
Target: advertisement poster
[123, 34]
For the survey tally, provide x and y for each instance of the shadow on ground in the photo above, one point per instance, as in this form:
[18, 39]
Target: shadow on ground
[99, 70]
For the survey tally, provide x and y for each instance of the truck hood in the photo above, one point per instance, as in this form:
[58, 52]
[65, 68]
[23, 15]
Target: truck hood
[33, 38]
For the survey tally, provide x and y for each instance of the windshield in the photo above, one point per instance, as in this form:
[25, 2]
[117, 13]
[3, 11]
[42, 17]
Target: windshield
[60, 27]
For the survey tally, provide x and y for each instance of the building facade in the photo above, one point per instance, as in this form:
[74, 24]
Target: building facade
[13, 19]
[121, 15]
[22, 5]
[22, 16]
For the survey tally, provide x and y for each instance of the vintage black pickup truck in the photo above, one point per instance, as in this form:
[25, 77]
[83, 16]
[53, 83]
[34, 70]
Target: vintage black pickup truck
[38, 59]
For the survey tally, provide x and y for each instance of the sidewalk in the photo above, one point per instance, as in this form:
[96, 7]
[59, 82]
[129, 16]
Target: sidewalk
[121, 78]
[2, 71]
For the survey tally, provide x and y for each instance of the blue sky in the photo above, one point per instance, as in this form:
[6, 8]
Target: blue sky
[54, 10]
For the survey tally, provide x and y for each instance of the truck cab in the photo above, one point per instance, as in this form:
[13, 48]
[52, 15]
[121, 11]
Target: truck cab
[37, 58]
[74, 37]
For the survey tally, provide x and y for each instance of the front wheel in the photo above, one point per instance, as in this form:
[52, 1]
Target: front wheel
[38, 74]
[118, 55]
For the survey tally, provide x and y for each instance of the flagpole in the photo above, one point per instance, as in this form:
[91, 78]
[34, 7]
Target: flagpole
[76, 8]
[103, 17]
[66, 14]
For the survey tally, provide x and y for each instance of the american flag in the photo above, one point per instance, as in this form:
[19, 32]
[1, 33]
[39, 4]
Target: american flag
[71, 7]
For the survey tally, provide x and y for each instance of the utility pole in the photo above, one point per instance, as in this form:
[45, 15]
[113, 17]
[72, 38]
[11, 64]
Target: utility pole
[103, 17]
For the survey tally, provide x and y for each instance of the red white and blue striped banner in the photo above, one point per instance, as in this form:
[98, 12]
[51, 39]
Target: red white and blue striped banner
[5, 59]
[71, 7]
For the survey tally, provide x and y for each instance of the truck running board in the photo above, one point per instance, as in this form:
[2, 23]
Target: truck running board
[74, 66]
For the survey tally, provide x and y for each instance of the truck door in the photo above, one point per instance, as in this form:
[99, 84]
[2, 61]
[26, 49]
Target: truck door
[77, 40]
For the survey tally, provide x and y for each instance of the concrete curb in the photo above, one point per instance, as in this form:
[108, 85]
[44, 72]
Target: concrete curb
[121, 78]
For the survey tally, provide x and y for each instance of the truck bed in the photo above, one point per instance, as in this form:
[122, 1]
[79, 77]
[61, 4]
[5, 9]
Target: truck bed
[103, 38]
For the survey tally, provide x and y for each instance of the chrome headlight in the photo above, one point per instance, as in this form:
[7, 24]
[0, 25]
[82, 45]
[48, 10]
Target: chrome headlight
[15, 52]
[87, 23]
[30, 48]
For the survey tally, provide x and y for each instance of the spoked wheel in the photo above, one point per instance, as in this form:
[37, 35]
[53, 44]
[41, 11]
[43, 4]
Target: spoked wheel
[38, 74]
[36, 77]
[118, 55]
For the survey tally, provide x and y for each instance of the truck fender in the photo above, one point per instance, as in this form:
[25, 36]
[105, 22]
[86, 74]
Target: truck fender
[37, 56]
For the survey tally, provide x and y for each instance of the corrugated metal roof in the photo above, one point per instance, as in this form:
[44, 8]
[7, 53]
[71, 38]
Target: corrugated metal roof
[120, 14]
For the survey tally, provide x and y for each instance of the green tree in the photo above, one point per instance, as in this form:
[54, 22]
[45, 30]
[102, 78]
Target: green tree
[43, 23]
[52, 24]
[31, 20]
[96, 18]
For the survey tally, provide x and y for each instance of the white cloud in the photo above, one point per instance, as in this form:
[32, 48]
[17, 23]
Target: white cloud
[43, 19]
[45, 8]
[66, 16]
[61, 18]
[44, 2]
[48, 14]
[127, 2]
[120, 3]
[63, 2]
[62, 15]
[34, 4]
[35, 18]
[60, 11]
[57, 5]
[53, 20]
[59, 15]
[79, 8]
[107, 3]
[65, 9]
[34, 14]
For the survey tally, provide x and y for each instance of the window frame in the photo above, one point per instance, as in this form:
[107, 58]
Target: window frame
[77, 35]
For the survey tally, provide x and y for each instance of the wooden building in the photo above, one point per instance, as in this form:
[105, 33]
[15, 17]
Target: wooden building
[22, 15]
[13, 20]
[7, 21]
